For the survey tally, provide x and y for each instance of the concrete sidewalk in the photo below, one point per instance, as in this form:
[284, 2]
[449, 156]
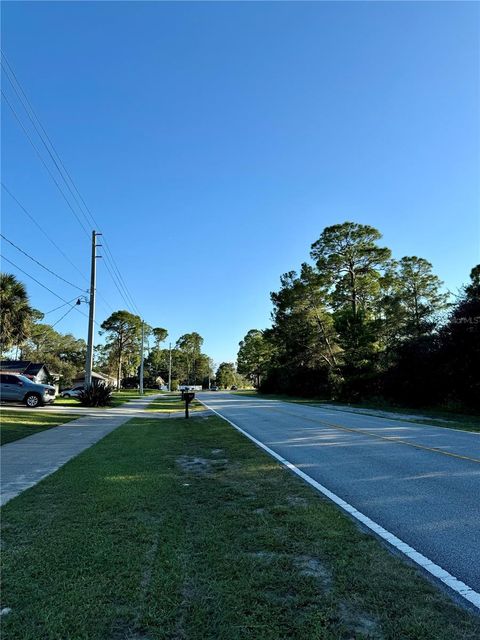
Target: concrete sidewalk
[27, 461]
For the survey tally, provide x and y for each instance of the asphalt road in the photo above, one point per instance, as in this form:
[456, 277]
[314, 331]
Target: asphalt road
[421, 483]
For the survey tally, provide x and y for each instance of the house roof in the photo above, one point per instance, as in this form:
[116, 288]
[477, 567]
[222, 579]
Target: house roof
[26, 367]
[14, 365]
[100, 376]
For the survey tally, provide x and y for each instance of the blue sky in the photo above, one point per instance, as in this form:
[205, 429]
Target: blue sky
[214, 141]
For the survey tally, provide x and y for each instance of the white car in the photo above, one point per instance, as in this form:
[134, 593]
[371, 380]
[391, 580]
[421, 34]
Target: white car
[74, 392]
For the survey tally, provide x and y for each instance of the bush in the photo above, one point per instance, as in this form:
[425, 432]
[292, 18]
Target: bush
[130, 382]
[96, 395]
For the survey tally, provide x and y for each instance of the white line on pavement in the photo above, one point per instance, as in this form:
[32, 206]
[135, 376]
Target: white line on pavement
[435, 570]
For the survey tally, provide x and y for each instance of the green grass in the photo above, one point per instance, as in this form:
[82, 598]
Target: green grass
[118, 398]
[172, 402]
[20, 424]
[185, 530]
[66, 402]
[433, 417]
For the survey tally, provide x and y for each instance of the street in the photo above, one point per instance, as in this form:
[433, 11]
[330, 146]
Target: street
[420, 483]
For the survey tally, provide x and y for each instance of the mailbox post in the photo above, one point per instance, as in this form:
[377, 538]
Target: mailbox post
[188, 396]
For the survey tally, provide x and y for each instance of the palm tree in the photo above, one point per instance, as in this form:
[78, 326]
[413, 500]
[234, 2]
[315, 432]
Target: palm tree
[15, 312]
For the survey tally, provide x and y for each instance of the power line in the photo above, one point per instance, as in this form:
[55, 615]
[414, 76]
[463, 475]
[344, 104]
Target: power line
[43, 161]
[111, 259]
[41, 284]
[43, 231]
[114, 279]
[34, 279]
[116, 276]
[60, 306]
[65, 314]
[42, 265]
[22, 96]
[27, 336]
[32, 218]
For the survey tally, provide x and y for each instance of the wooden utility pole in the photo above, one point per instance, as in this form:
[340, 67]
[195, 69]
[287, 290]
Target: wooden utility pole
[141, 358]
[170, 367]
[91, 311]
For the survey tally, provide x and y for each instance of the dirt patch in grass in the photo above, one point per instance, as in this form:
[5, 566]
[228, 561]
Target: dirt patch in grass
[200, 466]
[359, 624]
[297, 501]
[307, 566]
[264, 555]
[314, 568]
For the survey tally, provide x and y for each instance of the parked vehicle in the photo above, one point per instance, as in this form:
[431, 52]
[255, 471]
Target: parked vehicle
[18, 388]
[74, 392]
[234, 387]
[213, 388]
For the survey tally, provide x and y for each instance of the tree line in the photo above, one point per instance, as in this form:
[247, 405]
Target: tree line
[25, 336]
[354, 324]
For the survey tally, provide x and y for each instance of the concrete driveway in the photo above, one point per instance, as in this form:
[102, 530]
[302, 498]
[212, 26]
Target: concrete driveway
[420, 483]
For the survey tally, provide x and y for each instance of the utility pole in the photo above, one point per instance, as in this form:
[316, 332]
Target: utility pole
[141, 358]
[91, 312]
[170, 367]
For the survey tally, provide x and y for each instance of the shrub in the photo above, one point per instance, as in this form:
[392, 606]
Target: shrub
[130, 382]
[96, 395]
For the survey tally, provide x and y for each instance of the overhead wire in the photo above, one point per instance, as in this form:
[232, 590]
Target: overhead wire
[42, 265]
[12, 108]
[114, 273]
[41, 284]
[53, 243]
[32, 218]
[59, 307]
[129, 304]
[27, 336]
[64, 315]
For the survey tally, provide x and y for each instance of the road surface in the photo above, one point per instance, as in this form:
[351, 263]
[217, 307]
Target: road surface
[421, 483]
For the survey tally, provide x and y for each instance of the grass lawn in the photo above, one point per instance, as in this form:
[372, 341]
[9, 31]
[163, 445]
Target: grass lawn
[18, 424]
[172, 402]
[430, 417]
[118, 398]
[184, 530]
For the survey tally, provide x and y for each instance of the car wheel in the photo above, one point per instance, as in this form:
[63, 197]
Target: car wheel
[33, 400]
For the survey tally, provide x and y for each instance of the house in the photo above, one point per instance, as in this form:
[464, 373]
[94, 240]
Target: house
[160, 382]
[96, 377]
[35, 371]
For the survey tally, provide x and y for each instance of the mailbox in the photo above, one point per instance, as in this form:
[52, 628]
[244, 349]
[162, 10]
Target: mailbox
[188, 396]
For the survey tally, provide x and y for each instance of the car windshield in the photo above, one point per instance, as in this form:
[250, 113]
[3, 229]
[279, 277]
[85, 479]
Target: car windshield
[23, 378]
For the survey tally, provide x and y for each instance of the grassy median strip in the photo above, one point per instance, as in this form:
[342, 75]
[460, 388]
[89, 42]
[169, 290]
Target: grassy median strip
[15, 425]
[118, 398]
[433, 417]
[171, 403]
[184, 530]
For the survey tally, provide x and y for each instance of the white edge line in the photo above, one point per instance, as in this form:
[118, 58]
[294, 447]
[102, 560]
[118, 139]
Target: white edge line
[435, 570]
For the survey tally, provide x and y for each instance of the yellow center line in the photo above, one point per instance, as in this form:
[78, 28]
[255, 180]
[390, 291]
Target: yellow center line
[392, 439]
